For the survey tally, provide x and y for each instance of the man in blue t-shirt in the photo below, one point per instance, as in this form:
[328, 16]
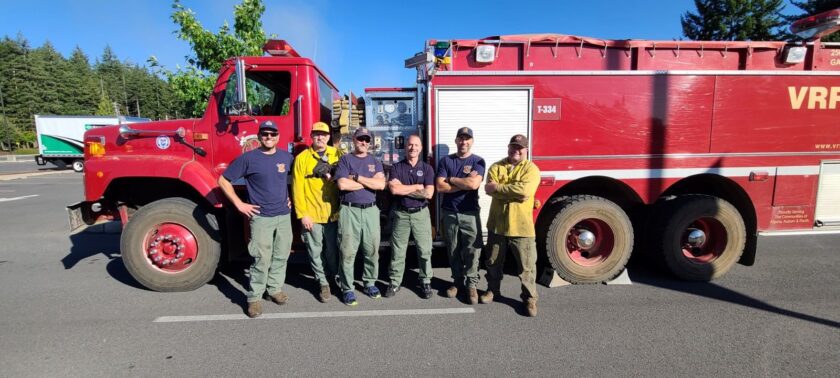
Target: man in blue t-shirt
[412, 184]
[459, 176]
[359, 175]
[266, 173]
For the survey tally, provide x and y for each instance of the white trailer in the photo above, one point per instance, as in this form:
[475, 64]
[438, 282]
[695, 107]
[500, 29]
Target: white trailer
[60, 138]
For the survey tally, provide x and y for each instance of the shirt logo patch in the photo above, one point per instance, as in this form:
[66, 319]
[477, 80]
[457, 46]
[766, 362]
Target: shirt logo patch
[372, 167]
[467, 169]
[420, 173]
[281, 167]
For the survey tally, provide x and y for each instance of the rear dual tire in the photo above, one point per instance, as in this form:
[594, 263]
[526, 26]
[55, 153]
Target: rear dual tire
[698, 237]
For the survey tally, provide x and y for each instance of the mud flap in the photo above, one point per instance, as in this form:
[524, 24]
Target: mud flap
[76, 218]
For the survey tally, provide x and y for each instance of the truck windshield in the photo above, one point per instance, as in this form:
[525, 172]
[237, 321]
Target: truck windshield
[268, 93]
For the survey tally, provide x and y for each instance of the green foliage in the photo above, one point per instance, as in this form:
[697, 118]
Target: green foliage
[42, 81]
[194, 84]
[728, 20]
[26, 151]
[812, 7]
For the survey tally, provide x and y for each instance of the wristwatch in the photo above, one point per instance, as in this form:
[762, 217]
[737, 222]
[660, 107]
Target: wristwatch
[355, 177]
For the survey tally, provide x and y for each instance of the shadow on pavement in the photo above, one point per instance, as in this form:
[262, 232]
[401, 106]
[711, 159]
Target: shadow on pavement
[650, 276]
[103, 238]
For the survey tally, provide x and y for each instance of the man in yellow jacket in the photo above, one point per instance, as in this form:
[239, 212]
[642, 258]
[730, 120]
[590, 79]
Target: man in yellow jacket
[315, 197]
[512, 183]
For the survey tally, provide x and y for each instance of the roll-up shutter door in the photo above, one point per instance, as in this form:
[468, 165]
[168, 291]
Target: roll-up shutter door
[828, 195]
[494, 115]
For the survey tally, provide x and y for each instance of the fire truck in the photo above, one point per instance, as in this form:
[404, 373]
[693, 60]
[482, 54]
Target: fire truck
[682, 150]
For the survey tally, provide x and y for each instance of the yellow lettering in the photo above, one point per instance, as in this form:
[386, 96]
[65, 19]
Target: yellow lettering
[817, 96]
[834, 98]
[796, 99]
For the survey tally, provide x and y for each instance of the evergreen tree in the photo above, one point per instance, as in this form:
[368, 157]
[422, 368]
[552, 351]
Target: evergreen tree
[812, 7]
[85, 89]
[728, 20]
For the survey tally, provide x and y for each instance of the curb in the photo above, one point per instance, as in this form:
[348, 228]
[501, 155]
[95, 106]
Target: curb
[17, 158]
[15, 176]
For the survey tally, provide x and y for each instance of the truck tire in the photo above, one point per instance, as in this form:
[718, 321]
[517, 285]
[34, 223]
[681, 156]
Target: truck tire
[590, 240]
[171, 245]
[702, 236]
[78, 165]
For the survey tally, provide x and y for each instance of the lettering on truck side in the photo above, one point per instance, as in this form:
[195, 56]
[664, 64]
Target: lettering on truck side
[817, 97]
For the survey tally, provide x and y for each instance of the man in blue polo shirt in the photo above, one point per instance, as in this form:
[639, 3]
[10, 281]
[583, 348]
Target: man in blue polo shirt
[266, 172]
[359, 175]
[412, 184]
[459, 176]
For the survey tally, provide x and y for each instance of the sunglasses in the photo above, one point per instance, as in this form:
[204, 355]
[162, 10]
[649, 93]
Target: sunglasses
[267, 134]
[363, 139]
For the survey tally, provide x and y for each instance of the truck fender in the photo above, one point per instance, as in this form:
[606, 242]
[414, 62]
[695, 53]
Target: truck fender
[204, 182]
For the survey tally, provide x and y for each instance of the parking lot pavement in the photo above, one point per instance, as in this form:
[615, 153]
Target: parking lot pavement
[70, 308]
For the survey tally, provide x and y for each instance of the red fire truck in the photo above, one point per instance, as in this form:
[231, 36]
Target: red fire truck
[686, 149]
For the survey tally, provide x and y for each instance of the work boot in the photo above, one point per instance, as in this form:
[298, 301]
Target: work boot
[531, 307]
[452, 292]
[391, 291]
[324, 293]
[487, 297]
[426, 291]
[280, 298]
[254, 309]
[472, 294]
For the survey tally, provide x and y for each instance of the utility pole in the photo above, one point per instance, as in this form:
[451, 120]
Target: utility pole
[138, 106]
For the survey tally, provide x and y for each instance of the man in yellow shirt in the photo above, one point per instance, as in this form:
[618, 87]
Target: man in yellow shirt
[512, 183]
[315, 196]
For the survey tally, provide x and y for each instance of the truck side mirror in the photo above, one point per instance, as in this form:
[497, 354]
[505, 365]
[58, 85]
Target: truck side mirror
[239, 71]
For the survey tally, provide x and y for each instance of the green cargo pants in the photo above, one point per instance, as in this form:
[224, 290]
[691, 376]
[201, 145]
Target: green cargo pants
[321, 244]
[404, 225]
[271, 242]
[524, 251]
[358, 227]
[463, 237]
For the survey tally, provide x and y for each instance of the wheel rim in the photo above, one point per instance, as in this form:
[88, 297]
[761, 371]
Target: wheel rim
[78, 166]
[170, 247]
[708, 248]
[590, 242]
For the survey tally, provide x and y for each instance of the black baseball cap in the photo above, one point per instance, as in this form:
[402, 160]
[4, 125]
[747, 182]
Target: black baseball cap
[465, 131]
[268, 125]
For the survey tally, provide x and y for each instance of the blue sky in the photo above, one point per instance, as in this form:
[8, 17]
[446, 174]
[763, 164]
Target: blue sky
[357, 43]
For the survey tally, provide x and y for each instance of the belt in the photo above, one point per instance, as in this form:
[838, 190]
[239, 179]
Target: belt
[359, 205]
[410, 210]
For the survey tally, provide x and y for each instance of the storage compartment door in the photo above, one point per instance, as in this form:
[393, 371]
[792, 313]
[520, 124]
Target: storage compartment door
[828, 195]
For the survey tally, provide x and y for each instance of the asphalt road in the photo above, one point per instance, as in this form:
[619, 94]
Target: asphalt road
[12, 167]
[69, 308]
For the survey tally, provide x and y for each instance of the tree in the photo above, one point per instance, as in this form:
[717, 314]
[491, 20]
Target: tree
[812, 7]
[728, 20]
[194, 84]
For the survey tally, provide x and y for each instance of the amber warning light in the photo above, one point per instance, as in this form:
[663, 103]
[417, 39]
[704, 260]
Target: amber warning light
[95, 145]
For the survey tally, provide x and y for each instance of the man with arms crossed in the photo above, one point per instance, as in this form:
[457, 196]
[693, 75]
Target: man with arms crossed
[512, 183]
[266, 171]
[359, 175]
[412, 184]
[315, 197]
[458, 177]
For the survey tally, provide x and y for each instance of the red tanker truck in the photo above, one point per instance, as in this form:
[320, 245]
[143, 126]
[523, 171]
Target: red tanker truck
[686, 150]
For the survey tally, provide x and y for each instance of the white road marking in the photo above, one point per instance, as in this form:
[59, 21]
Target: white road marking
[17, 198]
[306, 315]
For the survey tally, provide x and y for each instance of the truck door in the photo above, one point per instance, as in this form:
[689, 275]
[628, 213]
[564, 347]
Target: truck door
[270, 91]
